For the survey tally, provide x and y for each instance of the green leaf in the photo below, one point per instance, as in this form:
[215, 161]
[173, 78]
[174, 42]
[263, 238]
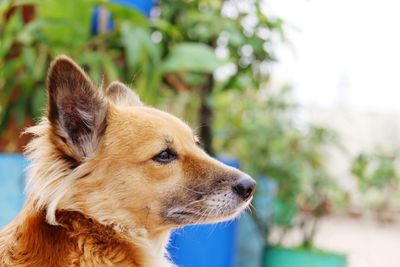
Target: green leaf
[132, 40]
[8, 33]
[168, 28]
[65, 25]
[110, 69]
[29, 56]
[193, 57]
[38, 103]
[20, 110]
[10, 68]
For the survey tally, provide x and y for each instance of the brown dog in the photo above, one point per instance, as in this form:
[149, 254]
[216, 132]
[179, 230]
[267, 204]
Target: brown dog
[109, 178]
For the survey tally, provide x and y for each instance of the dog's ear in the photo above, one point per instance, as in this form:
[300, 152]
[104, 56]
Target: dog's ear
[122, 95]
[76, 110]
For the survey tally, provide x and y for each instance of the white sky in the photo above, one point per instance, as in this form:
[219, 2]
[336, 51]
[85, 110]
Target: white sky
[345, 52]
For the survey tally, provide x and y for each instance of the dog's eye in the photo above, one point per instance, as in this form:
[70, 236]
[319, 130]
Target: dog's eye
[165, 156]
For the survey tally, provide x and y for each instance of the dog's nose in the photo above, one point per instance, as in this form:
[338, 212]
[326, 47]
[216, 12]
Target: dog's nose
[245, 187]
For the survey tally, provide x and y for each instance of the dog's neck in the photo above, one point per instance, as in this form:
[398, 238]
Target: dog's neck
[74, 238]
[158, 240]
[152, 243]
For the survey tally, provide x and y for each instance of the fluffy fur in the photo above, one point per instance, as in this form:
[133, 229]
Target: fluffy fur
[99, 191]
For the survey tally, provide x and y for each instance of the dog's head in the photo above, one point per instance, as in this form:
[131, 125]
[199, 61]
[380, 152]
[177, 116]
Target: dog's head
[107, 155]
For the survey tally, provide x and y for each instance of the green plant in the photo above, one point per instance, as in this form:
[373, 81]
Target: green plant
[262, 132]
[176, 49]
[58, 27]
[378, 180]
[240, 34]
[19, 73]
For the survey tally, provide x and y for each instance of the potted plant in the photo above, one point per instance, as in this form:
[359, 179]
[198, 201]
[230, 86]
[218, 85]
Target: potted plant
[272, 147]
[378, 172]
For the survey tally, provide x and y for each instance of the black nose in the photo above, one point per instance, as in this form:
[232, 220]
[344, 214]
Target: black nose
[245, 187]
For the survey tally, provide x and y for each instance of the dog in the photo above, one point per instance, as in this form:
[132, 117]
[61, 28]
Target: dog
[109, 178]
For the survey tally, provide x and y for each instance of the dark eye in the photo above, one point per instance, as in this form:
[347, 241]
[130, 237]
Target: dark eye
[165, 156]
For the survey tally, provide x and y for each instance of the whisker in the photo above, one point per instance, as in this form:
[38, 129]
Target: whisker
[192, 190]
[251, 206]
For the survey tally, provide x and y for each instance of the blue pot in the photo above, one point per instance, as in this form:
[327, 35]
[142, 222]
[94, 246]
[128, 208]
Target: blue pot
[143, 6]
[11, 186]
[204, 245]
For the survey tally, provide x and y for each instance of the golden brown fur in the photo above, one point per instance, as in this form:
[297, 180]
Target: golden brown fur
[99, 190]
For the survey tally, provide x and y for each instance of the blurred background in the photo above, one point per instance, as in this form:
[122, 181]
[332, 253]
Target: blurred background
[301, 94]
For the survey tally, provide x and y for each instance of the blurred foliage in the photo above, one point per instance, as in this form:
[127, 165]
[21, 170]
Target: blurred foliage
[217, 35]
[378, 179]
[214, 55]
[262, 132]
[238, 29]
[176, 48]
[59, 27]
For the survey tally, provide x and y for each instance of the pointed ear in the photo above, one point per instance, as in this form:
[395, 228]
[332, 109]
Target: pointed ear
[76, 110]
[121, 95]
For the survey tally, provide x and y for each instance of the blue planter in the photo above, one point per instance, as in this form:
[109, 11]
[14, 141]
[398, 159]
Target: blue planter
[206, 245]
[143, 6]
[11, 186]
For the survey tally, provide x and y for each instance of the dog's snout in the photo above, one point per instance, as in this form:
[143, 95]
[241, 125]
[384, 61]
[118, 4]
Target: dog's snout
[245, 187]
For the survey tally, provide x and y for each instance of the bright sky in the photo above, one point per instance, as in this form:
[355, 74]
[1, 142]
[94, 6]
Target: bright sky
[345, 52]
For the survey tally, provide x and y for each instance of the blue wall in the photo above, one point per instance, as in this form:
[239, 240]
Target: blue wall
[11, 186]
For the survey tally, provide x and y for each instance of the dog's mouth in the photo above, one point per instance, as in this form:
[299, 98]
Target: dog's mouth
[209, 209]
[219, 202]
